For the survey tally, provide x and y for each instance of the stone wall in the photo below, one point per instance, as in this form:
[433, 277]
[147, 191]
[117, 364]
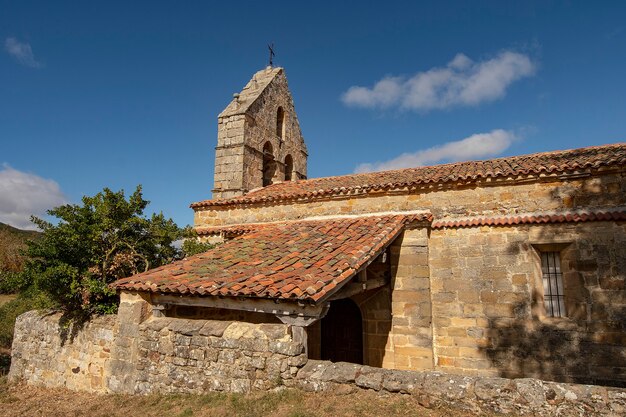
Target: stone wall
[478, 394]
[49, 352]
[241, 136]
[158, 355]
[196, 356]
[261, 128]
[411, 341]
[498, 198]
[488, 310]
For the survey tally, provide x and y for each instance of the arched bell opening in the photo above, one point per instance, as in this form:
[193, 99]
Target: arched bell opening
[269, 164]
[288, 168]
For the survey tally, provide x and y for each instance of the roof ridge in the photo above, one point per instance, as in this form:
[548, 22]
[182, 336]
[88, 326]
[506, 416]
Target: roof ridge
[458, 163]
[535, 163]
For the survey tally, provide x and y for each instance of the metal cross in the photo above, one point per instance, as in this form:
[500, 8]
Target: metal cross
[270, 46]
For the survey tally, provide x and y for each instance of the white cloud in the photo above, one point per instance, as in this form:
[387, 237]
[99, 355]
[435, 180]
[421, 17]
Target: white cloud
[22, 52]
[462, 82]
[479, 145]
[24, 194]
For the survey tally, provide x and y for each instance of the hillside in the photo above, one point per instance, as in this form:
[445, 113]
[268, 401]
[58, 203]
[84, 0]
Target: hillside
[12, 241]
[18, 232]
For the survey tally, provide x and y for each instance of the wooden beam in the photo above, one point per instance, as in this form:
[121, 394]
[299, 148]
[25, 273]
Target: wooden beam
[354, 288]
[279, 308]
[361, 276]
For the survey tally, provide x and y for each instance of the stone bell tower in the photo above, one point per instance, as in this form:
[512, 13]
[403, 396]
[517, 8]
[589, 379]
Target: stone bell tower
[258, 137]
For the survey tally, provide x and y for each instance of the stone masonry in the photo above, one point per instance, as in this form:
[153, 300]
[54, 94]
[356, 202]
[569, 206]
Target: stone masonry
[247, 125]
[468, 300]
[128, 355]
[497, 197]
[488, 315]
[198, 356]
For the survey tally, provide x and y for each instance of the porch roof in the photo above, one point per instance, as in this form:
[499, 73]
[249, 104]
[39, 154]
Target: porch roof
[305, 260]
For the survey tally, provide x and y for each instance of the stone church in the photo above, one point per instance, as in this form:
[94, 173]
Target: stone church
[510, 267]
[513, 266]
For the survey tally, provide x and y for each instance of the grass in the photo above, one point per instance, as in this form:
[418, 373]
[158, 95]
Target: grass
[17, 400]
[5, 298]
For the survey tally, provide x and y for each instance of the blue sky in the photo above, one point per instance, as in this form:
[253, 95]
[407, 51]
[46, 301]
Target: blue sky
[115, 94]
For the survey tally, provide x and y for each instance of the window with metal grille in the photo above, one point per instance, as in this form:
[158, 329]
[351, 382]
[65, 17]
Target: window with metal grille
[553, 298]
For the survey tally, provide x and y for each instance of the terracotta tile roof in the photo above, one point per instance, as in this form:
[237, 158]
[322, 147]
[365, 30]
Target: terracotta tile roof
[535, 218]
[304, 260]
[535, 164]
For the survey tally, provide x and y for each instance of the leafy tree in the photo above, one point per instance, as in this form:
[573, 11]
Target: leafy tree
[192, 246]
[93, 244]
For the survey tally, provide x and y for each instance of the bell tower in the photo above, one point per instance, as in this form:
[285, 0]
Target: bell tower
[259, 141]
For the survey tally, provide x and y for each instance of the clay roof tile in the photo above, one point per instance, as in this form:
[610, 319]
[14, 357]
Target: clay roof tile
[547, 162]
[278, 260]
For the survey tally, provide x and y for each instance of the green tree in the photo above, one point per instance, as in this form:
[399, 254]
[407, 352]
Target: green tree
[192, 246]
[106, 238]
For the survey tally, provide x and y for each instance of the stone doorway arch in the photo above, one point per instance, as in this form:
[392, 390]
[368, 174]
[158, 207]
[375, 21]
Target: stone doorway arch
[342, 332]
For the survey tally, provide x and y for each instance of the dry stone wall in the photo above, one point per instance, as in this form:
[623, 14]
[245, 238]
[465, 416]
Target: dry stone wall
[196, 356]
[158, 355]
[479, 394]
[49, 352]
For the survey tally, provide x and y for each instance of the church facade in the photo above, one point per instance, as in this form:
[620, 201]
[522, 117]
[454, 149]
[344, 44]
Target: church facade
[512, 267]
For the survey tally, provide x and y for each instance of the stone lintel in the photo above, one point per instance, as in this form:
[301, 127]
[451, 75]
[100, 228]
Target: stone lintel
[277, 307]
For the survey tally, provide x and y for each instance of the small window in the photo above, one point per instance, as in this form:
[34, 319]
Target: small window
[553, 297]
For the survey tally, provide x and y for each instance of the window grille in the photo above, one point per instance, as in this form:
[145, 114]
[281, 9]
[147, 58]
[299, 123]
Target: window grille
[553, 298]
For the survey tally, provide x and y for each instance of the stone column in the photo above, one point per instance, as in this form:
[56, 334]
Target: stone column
[410, 345]
[298, 325]
[135, 308]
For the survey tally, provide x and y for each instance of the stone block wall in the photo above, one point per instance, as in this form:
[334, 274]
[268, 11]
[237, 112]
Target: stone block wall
[229, 156]
[196, 356]
[500, 198]
[50, 352]
[410, 343]
[241, 136]
[157, 355]
[261, 128]
[481, 395]
[177, 355]
[488, 311]
[375, 306]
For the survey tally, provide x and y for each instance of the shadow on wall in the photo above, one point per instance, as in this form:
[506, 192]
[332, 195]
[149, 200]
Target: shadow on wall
[554, 352]
[589, 344]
